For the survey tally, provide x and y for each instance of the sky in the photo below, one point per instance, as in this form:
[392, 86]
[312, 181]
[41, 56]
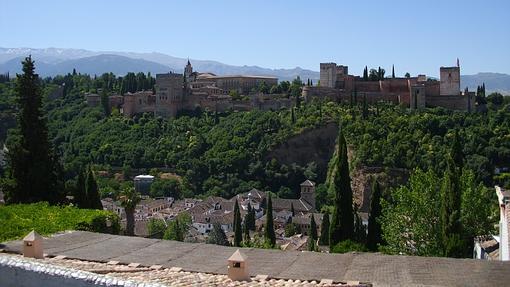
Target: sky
[415, 36]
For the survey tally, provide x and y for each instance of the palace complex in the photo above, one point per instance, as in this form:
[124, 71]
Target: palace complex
[175, 93]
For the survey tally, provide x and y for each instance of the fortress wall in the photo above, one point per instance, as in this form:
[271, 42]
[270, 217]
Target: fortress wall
[459, 102]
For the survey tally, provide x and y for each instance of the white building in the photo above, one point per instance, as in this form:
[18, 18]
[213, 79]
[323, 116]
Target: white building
[504, 223]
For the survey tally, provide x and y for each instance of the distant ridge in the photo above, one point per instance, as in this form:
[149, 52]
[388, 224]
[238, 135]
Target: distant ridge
[52, 61]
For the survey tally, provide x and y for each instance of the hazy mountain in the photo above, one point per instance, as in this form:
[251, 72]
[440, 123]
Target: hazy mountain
[99, 64]
[52, 61]
[494, 82]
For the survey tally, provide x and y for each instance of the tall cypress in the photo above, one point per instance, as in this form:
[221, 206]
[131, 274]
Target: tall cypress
[269, 234]
[313, 228]
[33, 166]
[342, 223]
[93, 198]
[80, 194]
[393, 71]
[251, 226]
[238, 232]
[374, 236]
[324, 239]
[450, 216]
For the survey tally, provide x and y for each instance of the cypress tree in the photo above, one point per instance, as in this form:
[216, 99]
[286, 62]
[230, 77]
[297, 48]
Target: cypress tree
[80, 194]
[450, 216]
[91, 190]
[238, 232]
[393, 71]
[33, 166]
[217, 236]
[252, 220]
[324, 239]
[342, 223]
[292, 115]
[269, 234]
[246, 234]
[313, 228]
[292, 209]
[374, 236]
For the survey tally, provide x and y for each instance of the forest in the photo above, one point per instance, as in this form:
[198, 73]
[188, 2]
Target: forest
[224, 154]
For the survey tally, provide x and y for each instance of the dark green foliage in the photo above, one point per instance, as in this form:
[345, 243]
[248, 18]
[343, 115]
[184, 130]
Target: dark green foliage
[80, 195]
[238, 232]
[246, 235]
[291, 229]
[217, 236]
[249, 218]
[324, 239]
[92, 192]
[348, 246]
[313, 229]
[342, 223]
[269, 234]
[156, 228]
[292, 209]
[393, 71]
[450, 213]
[34, 167]
[360, 231]
[374, 236]
[167, 188]
[105, 104]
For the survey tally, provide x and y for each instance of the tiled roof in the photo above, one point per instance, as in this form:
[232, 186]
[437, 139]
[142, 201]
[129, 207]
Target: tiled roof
[380, 269]
[285, 203]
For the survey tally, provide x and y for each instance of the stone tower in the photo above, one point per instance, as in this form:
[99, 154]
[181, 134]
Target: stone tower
[328, 74]
[188, 71]
[449, 81]
[308, 192]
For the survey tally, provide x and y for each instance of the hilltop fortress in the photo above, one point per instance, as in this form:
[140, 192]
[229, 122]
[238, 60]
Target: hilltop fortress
[413, 92]
[175, 93]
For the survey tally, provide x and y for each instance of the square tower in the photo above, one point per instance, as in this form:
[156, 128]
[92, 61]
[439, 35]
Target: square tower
[169, 94]
[328, 74]
[449, 81]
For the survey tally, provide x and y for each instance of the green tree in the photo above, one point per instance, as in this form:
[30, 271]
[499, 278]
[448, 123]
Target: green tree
[312, 233]
[105, 104]
[342, 224]
[450, 214]
[174, 231]
[407, 75]
[324, 239]
[410, 217]
[166, 187]
[80, 194]
[156, 228]
[33, 166]
[238, 232]
[290, 229]
[129, 198]
[374, 236]
[393, 71]
[217, 236]
[92, 192]
[269, 234]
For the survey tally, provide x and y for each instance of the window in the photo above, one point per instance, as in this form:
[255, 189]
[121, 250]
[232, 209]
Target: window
[237, 264]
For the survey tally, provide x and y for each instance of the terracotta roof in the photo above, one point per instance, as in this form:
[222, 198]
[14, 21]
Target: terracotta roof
[285, 203]
[237, 256]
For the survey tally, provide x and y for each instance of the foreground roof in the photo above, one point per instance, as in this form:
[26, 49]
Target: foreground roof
[381, 270]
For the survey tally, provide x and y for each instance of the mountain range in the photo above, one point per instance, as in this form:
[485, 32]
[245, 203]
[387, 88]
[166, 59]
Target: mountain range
[54, 61]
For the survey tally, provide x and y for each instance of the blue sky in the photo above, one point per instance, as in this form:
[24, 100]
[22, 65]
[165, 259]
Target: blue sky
[416, 36]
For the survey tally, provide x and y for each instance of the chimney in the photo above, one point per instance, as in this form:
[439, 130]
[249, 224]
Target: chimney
[32, 245]
[237, 267]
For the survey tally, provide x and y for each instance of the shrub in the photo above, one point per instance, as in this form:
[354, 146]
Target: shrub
[348, 246]
[19, 219]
